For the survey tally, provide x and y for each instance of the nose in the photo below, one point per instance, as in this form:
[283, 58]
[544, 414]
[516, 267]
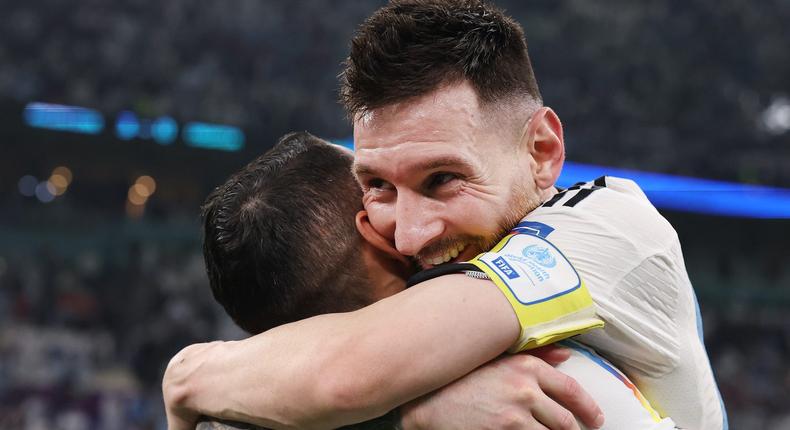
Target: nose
[417, 223]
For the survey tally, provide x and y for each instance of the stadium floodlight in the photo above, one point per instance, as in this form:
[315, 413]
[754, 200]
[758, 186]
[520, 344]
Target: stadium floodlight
[213, 136]
[689, 194]
[164, 130]
[345, 143]
[63, 118]
[127, 126]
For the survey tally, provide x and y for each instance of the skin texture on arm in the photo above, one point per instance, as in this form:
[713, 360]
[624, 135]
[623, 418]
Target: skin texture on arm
[389, 421]
[504, 393]
[521, 391]
[328, 371]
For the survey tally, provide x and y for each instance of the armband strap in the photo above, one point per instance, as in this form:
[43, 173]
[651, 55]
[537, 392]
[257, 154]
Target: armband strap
[545, 291]
[435, 272]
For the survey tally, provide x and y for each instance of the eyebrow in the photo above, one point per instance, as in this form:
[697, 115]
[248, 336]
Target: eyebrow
[431, 164]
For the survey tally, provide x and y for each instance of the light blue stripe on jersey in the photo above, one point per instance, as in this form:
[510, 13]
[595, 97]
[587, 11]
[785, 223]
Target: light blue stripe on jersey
[596, 359]
[700, 332]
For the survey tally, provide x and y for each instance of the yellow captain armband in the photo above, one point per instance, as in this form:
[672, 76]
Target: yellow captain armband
[547, 294]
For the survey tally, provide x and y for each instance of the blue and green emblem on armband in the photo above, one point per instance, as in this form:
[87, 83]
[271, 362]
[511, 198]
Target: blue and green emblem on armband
[547, 294]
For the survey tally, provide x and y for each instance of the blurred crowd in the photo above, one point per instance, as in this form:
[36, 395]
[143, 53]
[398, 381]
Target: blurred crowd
[94, 303]
[247, 63]
[656, 85]
[85, 337]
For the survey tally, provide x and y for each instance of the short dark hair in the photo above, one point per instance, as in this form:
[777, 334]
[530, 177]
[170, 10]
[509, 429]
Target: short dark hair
[280, 241]
[409, 48]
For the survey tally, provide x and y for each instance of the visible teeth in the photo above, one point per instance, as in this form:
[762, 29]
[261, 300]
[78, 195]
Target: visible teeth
[447, 256]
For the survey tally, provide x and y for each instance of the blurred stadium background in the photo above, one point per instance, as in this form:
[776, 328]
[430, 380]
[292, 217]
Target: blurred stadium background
[100, 268]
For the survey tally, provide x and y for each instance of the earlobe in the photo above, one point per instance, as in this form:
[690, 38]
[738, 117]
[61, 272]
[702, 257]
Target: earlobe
[375, 239]
[546, 146]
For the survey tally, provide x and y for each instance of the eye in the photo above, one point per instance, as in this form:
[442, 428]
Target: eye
[439, 179]
[377, 184]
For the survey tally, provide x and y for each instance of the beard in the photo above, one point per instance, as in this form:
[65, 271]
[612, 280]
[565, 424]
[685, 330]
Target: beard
[521, 201]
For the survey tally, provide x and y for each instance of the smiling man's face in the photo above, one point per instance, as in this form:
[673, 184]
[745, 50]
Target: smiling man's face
[440, 177]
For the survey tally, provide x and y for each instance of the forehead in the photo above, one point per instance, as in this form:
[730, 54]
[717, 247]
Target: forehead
[446, 124]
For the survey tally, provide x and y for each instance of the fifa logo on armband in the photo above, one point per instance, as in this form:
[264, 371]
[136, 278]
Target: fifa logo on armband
[505, 268]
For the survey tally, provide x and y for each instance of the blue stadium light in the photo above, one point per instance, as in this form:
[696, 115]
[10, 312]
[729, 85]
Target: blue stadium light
[127, 126]
[45, 192]
[213, 136]
[145, 129]
[63, 118]
[345, 143]
[164, 130]
[27, 185]
[688, 194]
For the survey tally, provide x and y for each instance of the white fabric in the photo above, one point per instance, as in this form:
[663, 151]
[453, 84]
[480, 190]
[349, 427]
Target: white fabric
[618, 402]
[630, 259]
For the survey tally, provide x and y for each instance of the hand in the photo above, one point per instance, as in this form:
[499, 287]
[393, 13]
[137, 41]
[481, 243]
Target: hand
[520, 391]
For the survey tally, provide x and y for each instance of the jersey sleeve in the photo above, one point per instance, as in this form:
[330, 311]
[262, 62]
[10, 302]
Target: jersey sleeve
[617, 241]
[631, 262]
[546, 292]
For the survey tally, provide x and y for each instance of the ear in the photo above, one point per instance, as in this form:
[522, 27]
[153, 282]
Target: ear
[546, 145]
[375, 239]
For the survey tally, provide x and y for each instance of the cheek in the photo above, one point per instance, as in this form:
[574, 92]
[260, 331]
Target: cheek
[475, 212]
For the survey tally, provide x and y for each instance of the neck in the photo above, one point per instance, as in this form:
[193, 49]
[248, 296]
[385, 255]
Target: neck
[548, 193]
[387, 276]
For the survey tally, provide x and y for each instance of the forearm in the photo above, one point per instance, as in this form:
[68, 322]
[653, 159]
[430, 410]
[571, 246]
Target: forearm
[271, 380]
[389, 421]
[328, 371]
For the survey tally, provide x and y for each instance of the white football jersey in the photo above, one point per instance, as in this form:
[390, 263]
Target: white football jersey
[619, 399]
[630, 260]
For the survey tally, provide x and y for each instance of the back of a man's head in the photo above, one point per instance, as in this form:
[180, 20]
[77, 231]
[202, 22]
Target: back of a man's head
[280, 242]
[410, 48]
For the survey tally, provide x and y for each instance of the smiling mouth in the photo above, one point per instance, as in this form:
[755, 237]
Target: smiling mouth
[447, 256]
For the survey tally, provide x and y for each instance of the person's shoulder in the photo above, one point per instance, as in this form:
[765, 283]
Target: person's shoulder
[605, 198]
[610, 210]
[604, 191]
